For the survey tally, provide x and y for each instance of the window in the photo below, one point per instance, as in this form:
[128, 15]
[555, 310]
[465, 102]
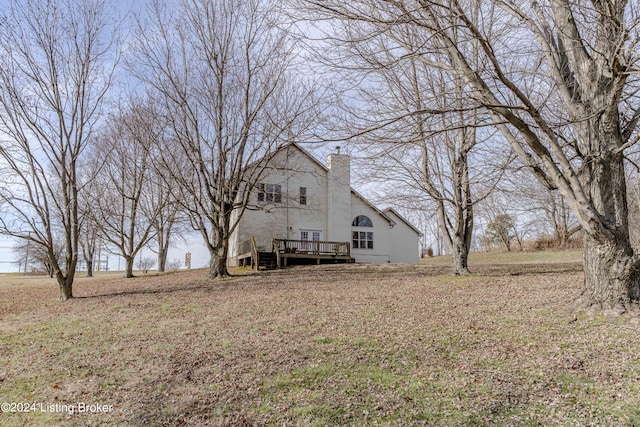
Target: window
[269, 193]
[310, 236]
[316, 235]
[303, 195]
[362, 240]
[362, 221]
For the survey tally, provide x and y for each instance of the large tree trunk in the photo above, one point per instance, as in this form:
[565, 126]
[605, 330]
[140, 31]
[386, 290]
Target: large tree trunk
[460, 256]
[218, 262]
[163, 231]
[461, 242]
[612, 277]
[460, 237]
[66, 286]
[219, 243]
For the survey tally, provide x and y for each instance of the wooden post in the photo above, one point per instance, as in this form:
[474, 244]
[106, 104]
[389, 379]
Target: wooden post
[276, 248]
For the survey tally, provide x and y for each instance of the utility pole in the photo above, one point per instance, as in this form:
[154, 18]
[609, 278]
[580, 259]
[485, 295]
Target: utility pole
[26, 258]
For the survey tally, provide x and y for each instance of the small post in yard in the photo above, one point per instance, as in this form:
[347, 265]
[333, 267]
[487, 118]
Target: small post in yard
[26, 258]
[187, 260]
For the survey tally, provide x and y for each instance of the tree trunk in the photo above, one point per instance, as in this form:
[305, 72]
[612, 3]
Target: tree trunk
[162, 260]
[65, 281]
[611, 275]
[461, 242]
[128, 273]
[507, 243]
[89, 268]
[66, 286]
[88, 250]
[90, 263]
[218, 263]
[219, 252]
[89, 260]
[460, 254]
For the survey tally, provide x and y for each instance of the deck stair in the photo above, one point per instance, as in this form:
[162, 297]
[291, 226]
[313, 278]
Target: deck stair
[266, 260]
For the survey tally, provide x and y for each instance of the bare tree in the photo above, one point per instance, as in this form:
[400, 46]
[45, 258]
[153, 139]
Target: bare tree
[125, 205]
[174, 264]
[56, 62]
[145, 264]
[89, 228]
[422, 132]
[89, 243]
[36, 257]
[550, 219]
[561, 86]
[170, 218]
[222, 71]
[634, 212]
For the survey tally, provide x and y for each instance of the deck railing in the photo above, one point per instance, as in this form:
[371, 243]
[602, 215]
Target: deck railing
[311, 247]
[286, 249]
[245, 247]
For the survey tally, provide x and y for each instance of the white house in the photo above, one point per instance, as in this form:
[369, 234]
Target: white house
[298, 198]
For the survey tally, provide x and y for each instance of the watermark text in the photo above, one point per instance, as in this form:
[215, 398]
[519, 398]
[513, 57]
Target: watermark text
[60, 408]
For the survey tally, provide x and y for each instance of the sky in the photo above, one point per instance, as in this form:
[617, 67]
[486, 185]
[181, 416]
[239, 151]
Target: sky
[7, 262]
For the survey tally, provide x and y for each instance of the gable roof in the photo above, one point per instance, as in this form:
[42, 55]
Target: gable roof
[303, 151]
[403, 219]
[372, 206]
[382, 213]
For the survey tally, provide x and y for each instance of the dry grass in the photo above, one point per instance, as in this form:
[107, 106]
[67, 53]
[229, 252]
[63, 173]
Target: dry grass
[330, 345]
[505, 258]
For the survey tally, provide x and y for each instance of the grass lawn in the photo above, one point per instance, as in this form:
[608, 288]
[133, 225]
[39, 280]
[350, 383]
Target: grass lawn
[330, 345]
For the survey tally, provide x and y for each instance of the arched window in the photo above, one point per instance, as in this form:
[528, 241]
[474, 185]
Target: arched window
[362, 221]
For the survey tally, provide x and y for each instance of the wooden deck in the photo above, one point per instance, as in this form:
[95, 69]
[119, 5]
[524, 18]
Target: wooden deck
[319, 251]
[286, 251]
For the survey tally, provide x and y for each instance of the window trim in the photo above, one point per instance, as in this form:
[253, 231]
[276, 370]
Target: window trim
[303, 195]
[362, 240]
[269, 193]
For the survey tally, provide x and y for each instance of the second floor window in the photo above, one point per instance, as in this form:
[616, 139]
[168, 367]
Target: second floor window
[303, 195]
[269, 193]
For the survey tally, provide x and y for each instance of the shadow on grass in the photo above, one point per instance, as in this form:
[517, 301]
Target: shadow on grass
[161, 284]
[173, 283]
[505, 270]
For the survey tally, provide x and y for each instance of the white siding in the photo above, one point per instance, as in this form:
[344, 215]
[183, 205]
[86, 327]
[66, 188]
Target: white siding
[380, 229]
[291, 169]
[403, 241]
[330, 209]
